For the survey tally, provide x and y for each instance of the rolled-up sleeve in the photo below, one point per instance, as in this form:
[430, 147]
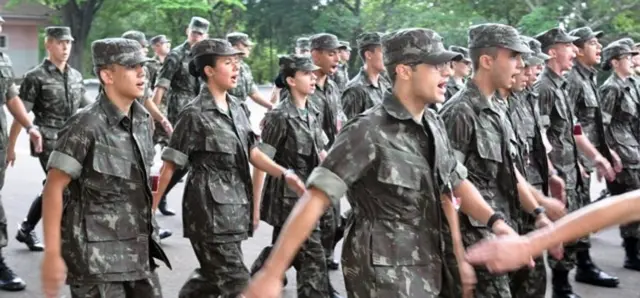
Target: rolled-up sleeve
[274, 133]
[353, 152]
[185, 137]
[72, 148]
[29, 91]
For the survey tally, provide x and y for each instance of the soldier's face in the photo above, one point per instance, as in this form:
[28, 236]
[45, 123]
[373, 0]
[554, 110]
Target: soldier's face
[636, 59]
[563, 53]
[535, 71]
[429, 82]
[345, 55]
[162, 48]
[590, 52]
[225, 72]
[521, 79]
[304, 82]
[505, 67]
[374, 59]
[623, 65]
[245, 49]
[461, 68]
[194, 37]
[327, 60]
[59, 50]
[303, 52]
[127, 81]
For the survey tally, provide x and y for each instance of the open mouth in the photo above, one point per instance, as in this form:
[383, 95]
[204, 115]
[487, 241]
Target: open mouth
[442, 86]
[140, 85]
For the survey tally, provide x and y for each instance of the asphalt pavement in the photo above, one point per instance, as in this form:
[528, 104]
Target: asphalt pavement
[24, 181]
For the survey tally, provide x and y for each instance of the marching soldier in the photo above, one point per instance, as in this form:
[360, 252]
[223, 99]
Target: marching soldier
[246, 86]
[341, 77]
[102, 233]
[161, 47]
[566, 139]
[54, 91]
[621, 110]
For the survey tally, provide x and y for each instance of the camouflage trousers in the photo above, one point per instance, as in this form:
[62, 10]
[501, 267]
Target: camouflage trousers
[575, 200]
[329, 223]
[146, 288]
[4, 238]
[222, 272]
[312, 276]
[627, 180]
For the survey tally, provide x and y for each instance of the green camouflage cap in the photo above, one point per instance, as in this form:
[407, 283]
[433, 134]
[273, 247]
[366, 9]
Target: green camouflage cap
[496, 35]
[369, 39]
[344, 45]
[120, 51]
[59, 33]
[297, 63]
[324, 41]
[415, 45]
[585, 34]
[537, 57]
[554, 36]
[137, 36]
[239, 37]
[625, 41]
[199, 24]
[159, 39]
[462, 50]
[303, 43]
[213, 46]
[615, 50]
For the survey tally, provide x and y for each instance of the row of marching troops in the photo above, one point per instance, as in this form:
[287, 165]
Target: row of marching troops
[511, 151]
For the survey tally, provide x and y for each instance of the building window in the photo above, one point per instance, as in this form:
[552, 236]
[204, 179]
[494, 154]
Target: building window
[3, 41]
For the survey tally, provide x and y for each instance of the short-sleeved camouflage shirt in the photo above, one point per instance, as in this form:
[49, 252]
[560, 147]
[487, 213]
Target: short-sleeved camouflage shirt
[361, 94]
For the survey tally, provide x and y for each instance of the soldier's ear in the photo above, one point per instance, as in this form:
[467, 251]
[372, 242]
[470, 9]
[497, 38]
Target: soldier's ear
[291, 82]
[106, 75]
[486, 61]
[403, 72]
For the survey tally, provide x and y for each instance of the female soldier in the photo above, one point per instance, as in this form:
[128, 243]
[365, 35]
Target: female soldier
[293, 136]
[213, 135]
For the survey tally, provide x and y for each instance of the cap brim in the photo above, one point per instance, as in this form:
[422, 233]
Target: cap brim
[598, 34]
[249, 43]
[335, 46]
[312, 67]
[534, 60]
[136, 60]
[199, 30]
[567, 39]
[519, 48]
[443, 57]
[66, 37]
[231, 52]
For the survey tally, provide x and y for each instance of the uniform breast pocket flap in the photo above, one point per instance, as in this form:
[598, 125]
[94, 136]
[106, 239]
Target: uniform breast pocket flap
[220, 141]
[400, 168]
[112, 161]
[489, 145]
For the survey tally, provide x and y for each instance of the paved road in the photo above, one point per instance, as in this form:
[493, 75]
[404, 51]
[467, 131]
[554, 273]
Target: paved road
[24, 180]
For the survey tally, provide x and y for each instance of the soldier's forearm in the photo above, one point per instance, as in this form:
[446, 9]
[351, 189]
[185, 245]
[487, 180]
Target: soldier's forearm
[258, 183]
[275, 95]
[527, 199]
[472, 203]
[168, 168]
[451, 214]
[257, 97]
[158, 94]
[14, 132]
[16, 108]
[586, 147]
[263, 162]
[153, 110]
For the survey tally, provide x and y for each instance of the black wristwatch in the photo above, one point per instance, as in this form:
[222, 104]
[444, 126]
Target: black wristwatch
[539, 210]
[495, 217]
[29, 128]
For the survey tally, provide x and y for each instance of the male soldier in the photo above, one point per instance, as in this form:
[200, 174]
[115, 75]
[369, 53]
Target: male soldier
[246, 86]
[566, 140]
[54, 91]
[177, 87]
[461, 70]
[621, 107]
[483, 140]
[341, 77]
[9, 281]
[161, 47]
[303, 46]
[401, 175]
[103, 232]
[582, 94]
[367, 88]
[636, 62]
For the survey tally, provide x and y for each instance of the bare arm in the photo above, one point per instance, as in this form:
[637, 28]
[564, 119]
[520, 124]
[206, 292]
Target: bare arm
[257, 97]
[52, 206]
[17, 109]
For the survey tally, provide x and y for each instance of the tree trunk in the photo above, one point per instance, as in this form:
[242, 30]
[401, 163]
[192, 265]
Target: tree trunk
[79, 19]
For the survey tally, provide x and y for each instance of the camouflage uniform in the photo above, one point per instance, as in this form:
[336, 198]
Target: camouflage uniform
[160, 136]
[341, 77]
[483, 139]
[246, 86]
[293, 138]
[621, 108]
[217, 202]
[452, 86]
[361, 94]
[54, 96]
[106, 228]
[385, 161]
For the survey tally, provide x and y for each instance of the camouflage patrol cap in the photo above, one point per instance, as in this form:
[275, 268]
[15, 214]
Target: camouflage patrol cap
[496, 35]
[585, 34]
[213, 46]
[137, 36]
[344, 45]
[303, 43]
[120, 51]
[324, 41]
[415, 45]
[200, 25]
[159, 39]
[537, 56]
[297, 63]
[239, 37]
[625, 41]
[369, 39]
[554, 36]
[59, 33]
[462, 50]
[615, 50]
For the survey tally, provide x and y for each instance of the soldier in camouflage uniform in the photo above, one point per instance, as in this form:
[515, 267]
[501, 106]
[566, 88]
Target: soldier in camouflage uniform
[103, 232]
[635, 77]
[582, 94]
[161, 47]
[396, 165]
[176, 86]
[367, 88]
[565, 138]
[246, 86]
[341, 77]
[303, 48]
[218, 205]
[293, 138]
[9, 281]
[483, 139]
[461, 70]
[621, 108]
[54, 91]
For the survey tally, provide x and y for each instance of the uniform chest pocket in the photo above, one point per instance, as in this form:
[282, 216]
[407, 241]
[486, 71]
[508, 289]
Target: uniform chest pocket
[53, 92]
[489, 145]
[629, 107]
[220, 141]
[230, 205]
[302, 144]
[112, 161]
[401, 169]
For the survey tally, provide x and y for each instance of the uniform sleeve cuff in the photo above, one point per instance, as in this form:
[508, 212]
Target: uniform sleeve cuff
[64, 163]
[164, 83]
[178, 158]
[459, 174]
[327, 182]
[460, 157]
[267, 149]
